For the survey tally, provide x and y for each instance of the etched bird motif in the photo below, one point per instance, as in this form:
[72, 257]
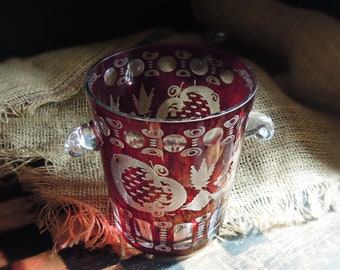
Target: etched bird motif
[144, 101]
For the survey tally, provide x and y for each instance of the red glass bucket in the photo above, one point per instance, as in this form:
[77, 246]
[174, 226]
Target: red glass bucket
[169, 122]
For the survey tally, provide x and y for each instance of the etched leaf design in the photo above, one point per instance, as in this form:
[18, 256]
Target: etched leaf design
[114, 104]
[143, 102]
[200, 178]
[199, 202]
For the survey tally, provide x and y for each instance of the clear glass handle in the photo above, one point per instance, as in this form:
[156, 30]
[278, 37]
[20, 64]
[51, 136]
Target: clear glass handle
[88, 135]
[260, 126]
[81, 138]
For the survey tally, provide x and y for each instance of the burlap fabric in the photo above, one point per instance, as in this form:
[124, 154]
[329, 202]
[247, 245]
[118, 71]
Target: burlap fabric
[293, 178]
[300, 47]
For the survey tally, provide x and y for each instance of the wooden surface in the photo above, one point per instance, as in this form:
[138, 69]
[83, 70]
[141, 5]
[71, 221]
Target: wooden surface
[314, 245]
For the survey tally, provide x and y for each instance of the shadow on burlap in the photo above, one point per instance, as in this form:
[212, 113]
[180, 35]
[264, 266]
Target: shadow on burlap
[291, 179]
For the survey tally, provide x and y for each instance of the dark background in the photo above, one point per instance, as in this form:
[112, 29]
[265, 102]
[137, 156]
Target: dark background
[31, 27]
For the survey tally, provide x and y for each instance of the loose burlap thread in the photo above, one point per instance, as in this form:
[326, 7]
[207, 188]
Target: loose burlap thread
[288, 180]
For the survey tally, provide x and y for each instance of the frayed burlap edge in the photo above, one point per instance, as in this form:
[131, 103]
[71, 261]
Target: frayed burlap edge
[295, 208]
[71, 221]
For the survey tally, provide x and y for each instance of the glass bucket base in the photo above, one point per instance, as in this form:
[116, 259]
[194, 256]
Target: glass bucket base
[166, 238]
[176, 249]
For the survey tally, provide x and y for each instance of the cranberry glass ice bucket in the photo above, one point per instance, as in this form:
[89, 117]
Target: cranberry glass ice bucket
[169, 121]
